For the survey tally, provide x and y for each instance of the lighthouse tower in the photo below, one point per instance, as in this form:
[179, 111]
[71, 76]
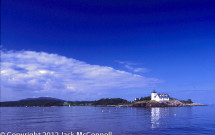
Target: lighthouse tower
[153, 95]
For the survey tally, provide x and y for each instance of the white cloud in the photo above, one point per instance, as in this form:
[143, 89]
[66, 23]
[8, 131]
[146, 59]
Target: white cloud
[29, 72]
[130, 66]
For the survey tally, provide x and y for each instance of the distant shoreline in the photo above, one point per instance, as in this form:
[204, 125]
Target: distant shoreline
[108, 102]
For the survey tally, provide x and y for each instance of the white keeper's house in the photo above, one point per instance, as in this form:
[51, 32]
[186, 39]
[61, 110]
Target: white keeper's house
[159, 97]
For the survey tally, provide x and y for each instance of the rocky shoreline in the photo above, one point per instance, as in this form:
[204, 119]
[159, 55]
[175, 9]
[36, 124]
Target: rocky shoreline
[171, 103]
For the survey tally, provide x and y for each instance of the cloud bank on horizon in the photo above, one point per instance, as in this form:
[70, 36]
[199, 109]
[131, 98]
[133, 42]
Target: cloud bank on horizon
[27, 73]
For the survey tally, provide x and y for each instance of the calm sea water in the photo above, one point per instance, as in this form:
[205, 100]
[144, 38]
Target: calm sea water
[119, 121]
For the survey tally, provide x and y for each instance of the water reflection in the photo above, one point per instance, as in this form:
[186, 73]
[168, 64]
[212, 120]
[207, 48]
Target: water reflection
[155, 116]
[158, 116]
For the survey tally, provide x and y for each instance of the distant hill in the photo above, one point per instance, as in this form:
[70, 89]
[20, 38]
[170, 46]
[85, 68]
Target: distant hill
[49, 101]
[39, 98]
[41, 101]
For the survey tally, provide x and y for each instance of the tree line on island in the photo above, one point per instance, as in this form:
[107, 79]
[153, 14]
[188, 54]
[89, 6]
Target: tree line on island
[47, 101]
[57, 102]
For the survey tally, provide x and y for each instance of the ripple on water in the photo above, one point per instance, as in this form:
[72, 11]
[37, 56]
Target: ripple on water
[123, 120]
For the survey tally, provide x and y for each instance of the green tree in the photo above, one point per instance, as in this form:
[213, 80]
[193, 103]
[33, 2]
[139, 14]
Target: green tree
[141, 99]
[189, 101]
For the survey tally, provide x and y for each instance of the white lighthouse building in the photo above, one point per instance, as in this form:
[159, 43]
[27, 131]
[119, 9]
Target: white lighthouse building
[159, 97]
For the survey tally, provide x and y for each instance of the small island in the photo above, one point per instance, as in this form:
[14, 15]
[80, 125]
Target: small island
[155, 100]
[163, 100]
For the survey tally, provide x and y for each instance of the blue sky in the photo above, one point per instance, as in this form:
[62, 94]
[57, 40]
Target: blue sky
[81, 50]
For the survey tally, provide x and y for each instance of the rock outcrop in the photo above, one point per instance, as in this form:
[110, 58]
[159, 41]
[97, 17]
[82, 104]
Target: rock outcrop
[171, 103]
